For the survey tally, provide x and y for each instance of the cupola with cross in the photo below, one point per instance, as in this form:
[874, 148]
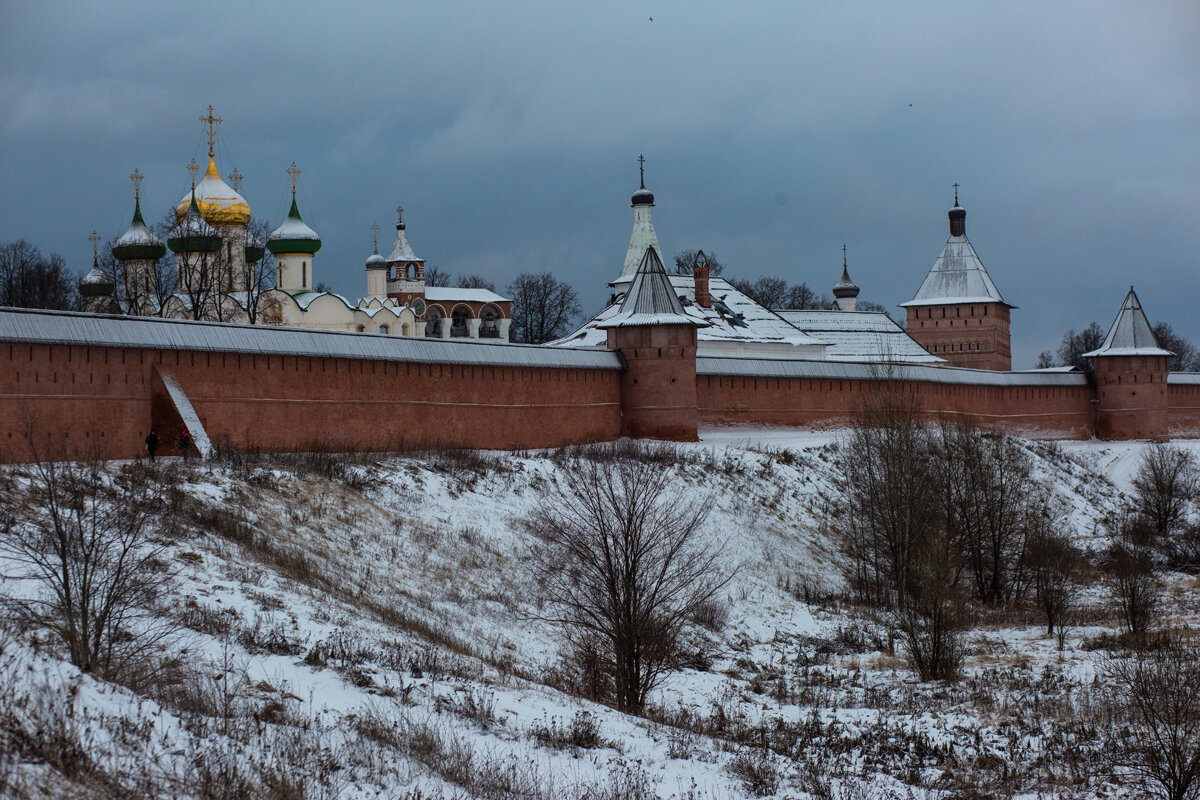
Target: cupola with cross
[294, 244]
[406, 272]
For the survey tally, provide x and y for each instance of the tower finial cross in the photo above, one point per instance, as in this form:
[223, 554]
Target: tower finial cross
[642, 170]
[210, 119]
[294, 172]
[399, 215]
[236, 177]
[843, 255]
[375, 234]
[192, 169]
[136, 177]
[95, 237]
[956, 194]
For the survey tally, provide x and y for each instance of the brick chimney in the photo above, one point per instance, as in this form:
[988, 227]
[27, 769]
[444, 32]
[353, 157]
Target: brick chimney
[700, 275]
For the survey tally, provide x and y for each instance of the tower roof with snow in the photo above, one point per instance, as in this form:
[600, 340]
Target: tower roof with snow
[958, 274]
[294, 235]
[401, 249]
[651, 299]
[1130, 334]
[643, 237]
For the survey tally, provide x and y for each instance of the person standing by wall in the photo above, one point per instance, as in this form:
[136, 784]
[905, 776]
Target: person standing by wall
[185, 444]
[152, 443]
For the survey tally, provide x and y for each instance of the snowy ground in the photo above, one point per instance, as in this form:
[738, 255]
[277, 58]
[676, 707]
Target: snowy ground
[376, 635]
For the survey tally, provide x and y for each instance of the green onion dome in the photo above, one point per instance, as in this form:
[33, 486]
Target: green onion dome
[293, 236]
[96, 283]
[138, 243]
[193, 235]
[254, 250]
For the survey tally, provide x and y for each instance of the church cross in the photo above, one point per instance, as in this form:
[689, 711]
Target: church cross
[375, 234]
[95, 237]
[236, 177]
[136, 177]
[192, 169]
[210, 119]
[843, 255]
[399, 215]
[294, 172]
[642, 170]
[956, 194]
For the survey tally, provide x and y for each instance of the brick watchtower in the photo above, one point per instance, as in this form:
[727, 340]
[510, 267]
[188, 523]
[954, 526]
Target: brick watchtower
[958, 314]
[657, 341]
[1130, 371]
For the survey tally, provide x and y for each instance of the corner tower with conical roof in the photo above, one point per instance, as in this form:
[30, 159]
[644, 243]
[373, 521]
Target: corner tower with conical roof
[657, 342]
[958, 314]
[294, 244]
[1130, 374]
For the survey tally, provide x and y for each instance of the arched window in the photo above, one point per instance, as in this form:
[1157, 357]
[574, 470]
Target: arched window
[458, 322]
[383, 329]
[433, 322]
[489, 327]
[304, 273]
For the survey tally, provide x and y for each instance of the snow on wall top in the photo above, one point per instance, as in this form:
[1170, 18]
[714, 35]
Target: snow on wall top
[31, 326]
[860, 336]
[774, 368]
[1130, 333]
[957, 276]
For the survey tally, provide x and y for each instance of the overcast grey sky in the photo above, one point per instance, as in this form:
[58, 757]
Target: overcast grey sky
[772, 132]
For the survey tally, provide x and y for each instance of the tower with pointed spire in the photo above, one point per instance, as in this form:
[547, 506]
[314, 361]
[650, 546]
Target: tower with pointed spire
[405, 274]
[845, 291]
[138, 251]
[643, 237]
[294, 244]
[958, 314]
[1130, 373]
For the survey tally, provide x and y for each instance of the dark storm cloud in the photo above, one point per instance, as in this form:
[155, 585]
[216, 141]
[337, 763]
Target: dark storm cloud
[773, 133]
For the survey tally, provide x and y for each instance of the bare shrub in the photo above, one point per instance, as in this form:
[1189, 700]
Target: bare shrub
[930, 615]
[1053, 561]
[89, 542]
[617, 556]
[1130, 563]
[581, 733]
[1156, 738]
[1167, 481]
[756, 769]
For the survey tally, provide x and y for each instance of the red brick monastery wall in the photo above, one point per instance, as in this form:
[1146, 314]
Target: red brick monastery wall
[1056, 411]
[96, 400]
[1183, 410]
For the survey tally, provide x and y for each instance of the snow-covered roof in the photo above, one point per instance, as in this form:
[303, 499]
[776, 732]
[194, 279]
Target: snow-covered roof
[733, 318]
[1130, 333]
[797, 368]
[957, 276]
[401, 250]
[642, 238]
[450, 294]
[305, 299]
[137, 241]
[650, 299]
[866, 336]
[103, 330]
[218, 202]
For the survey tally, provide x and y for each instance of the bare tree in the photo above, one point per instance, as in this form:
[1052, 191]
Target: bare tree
[992, 499]
[686, 260]
[767, 291]
[86, 540]
[435, 276]
[1130, 564]
[891, 490]
[619, 560]
[543, 307]
[1156, 709]
[30, 280]
[475, 282]
[931, 614]
[1053, 561]
[1074, 345]
[1185, 357]
[1167, 481]
[258, 277]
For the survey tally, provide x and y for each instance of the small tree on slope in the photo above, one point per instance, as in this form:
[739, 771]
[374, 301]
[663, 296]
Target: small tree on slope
[619, 562]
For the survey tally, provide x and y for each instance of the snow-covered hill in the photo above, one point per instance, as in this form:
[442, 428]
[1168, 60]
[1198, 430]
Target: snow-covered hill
[368, 627]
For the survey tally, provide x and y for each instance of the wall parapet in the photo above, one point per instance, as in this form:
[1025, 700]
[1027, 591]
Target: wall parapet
[36, 326]
[833, 370]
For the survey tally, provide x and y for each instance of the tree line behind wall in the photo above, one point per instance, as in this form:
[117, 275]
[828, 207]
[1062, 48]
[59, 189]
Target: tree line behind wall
[1185, 356]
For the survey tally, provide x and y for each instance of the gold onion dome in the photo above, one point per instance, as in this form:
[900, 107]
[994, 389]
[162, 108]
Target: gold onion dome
[193, 234]
[219, 204]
